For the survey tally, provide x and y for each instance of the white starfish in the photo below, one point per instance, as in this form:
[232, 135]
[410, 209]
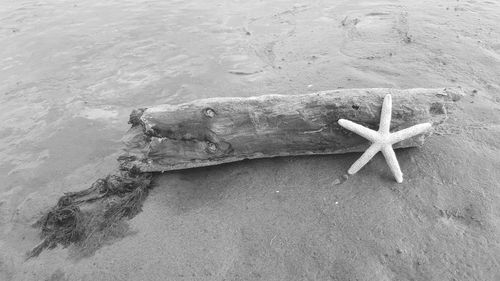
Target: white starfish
[382, 140]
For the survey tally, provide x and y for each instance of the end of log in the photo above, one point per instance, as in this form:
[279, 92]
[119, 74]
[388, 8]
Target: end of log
[135, 116]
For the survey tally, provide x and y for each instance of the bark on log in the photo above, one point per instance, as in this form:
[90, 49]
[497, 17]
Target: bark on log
[220, 130]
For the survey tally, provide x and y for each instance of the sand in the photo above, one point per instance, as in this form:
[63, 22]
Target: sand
[72, 71]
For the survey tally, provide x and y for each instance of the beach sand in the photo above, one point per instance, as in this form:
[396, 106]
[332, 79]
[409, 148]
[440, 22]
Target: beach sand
[72, 71]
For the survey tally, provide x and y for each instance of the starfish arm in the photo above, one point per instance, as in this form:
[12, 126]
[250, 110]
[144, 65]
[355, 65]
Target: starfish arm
[385, 115]
[366, 133]
[409, 132]
[392, 161]
[367, 155]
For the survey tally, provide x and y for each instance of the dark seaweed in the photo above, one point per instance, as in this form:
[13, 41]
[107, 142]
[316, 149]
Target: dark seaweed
[82, 217]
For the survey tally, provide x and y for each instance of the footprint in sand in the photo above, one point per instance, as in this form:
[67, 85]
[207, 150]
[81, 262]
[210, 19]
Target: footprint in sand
[375, 34]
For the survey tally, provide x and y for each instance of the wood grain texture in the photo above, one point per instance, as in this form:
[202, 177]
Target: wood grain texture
[220, 130]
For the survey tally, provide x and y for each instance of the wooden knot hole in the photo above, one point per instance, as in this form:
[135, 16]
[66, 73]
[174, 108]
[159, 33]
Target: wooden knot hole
[210, 113]
[211, 147]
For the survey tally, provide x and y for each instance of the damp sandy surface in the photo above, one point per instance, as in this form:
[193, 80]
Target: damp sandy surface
[71, 72]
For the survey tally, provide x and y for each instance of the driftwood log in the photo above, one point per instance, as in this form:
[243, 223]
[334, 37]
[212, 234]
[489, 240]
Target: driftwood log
[220, 130]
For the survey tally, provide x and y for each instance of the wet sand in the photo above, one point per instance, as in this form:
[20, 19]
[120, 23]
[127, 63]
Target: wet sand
[71, 73]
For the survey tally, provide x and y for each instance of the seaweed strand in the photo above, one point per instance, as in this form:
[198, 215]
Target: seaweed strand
[78, 216]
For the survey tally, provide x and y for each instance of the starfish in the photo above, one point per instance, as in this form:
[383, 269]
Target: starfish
[383, 139]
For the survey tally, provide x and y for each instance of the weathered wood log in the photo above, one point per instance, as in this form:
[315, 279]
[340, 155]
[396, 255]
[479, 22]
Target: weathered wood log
[220, 130]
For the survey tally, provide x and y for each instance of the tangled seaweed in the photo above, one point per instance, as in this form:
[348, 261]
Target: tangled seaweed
[79, 216]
